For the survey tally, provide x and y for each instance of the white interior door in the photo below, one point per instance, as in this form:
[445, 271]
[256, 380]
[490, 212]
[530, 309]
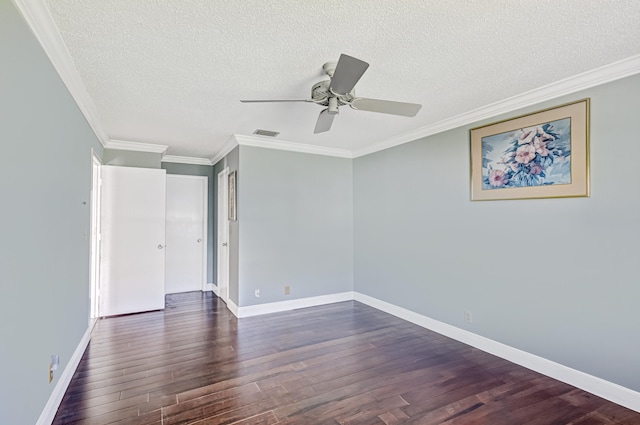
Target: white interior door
[223, 236]
[133, 240]
[186, 254]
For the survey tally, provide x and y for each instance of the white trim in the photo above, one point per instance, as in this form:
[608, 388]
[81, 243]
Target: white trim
[205, 229]
[598, 386]
[95, 234]
[186, 160]
[44, 28]
[605, 74]
[212, 287]
[51, 408]
[224, 150]
[223, 254]
[258, 309]
[124, 145]
[605, 389]
[37, 16]
[263, 142]
[188, 177]
[233, 308]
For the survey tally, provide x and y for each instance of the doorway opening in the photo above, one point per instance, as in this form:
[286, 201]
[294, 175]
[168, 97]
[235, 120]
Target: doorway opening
[222, 226]
[96, 194]
[186, 234]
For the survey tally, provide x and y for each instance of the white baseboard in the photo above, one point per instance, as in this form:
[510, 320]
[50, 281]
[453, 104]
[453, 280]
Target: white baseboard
[51, 408]
[258, 309]
[211, 287]
[598, 386]
[233, 308]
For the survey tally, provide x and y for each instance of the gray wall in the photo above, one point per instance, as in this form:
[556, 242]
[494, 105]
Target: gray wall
[207, 171]
[554, 277]
[131, 158]
[296, 213]
[45, 176]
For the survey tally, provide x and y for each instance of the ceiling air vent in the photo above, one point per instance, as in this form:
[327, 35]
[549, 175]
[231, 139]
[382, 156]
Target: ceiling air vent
[266, 133]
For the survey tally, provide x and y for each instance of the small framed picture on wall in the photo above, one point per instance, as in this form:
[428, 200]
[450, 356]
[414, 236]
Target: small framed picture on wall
[232, 213]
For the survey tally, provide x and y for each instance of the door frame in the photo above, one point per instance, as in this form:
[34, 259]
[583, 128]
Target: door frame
[205, 211]
[96, 237]
[222, 226]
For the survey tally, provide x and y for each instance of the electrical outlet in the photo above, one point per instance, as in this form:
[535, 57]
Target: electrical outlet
[53, 365]
[287, 290]
[55, 362]
[257, 293]
[467, 316]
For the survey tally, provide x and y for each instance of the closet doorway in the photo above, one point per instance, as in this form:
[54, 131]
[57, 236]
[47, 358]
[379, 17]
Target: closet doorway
[186, 224]
[222, 246]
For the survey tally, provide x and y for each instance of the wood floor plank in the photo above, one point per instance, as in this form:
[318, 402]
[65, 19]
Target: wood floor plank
[344, 363]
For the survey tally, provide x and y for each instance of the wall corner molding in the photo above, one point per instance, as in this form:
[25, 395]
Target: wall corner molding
[224, 150]
[270, 143]
[233, 308]
[605, 74]
[186, 160]
[37, 16]
[213, 288]
[51, 408]
[136, 146]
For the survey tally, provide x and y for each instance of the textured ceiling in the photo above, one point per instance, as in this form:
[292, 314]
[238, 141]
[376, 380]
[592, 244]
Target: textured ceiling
[172, 71]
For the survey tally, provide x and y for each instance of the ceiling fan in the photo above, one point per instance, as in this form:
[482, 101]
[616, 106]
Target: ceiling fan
[338, 91]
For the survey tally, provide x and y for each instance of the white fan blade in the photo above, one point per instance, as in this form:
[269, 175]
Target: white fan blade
[276, 100]
[325, 119]
[386, 106]
[348, 72]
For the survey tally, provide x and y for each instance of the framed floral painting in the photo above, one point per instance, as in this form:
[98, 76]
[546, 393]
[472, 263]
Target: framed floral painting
[232, 214]
[541, 155]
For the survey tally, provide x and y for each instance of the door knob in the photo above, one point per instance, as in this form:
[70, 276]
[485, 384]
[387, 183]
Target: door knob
[224, 244]
[199, 240]
[160, 246]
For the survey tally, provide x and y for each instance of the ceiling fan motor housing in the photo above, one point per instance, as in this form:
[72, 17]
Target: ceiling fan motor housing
[321, 93]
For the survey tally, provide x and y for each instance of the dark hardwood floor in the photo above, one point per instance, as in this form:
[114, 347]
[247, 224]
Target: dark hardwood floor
[346, 363]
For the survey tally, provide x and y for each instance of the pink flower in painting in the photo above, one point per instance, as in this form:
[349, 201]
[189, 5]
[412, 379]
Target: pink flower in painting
[525, 154]
[527, 135]
[535, 169]
[496, 178]
[541, 146]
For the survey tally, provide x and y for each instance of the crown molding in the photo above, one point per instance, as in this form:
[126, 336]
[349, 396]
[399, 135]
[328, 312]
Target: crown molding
[225, 149]
[38, 18]
[262, 142]
[605, 74]
[186, 160]
[124, 145]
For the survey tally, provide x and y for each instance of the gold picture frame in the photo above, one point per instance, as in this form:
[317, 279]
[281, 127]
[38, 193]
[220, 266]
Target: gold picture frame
[232, 210]
[544, 154]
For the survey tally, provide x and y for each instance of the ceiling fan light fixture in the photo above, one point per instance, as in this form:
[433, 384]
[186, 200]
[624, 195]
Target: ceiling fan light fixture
[333, 105]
